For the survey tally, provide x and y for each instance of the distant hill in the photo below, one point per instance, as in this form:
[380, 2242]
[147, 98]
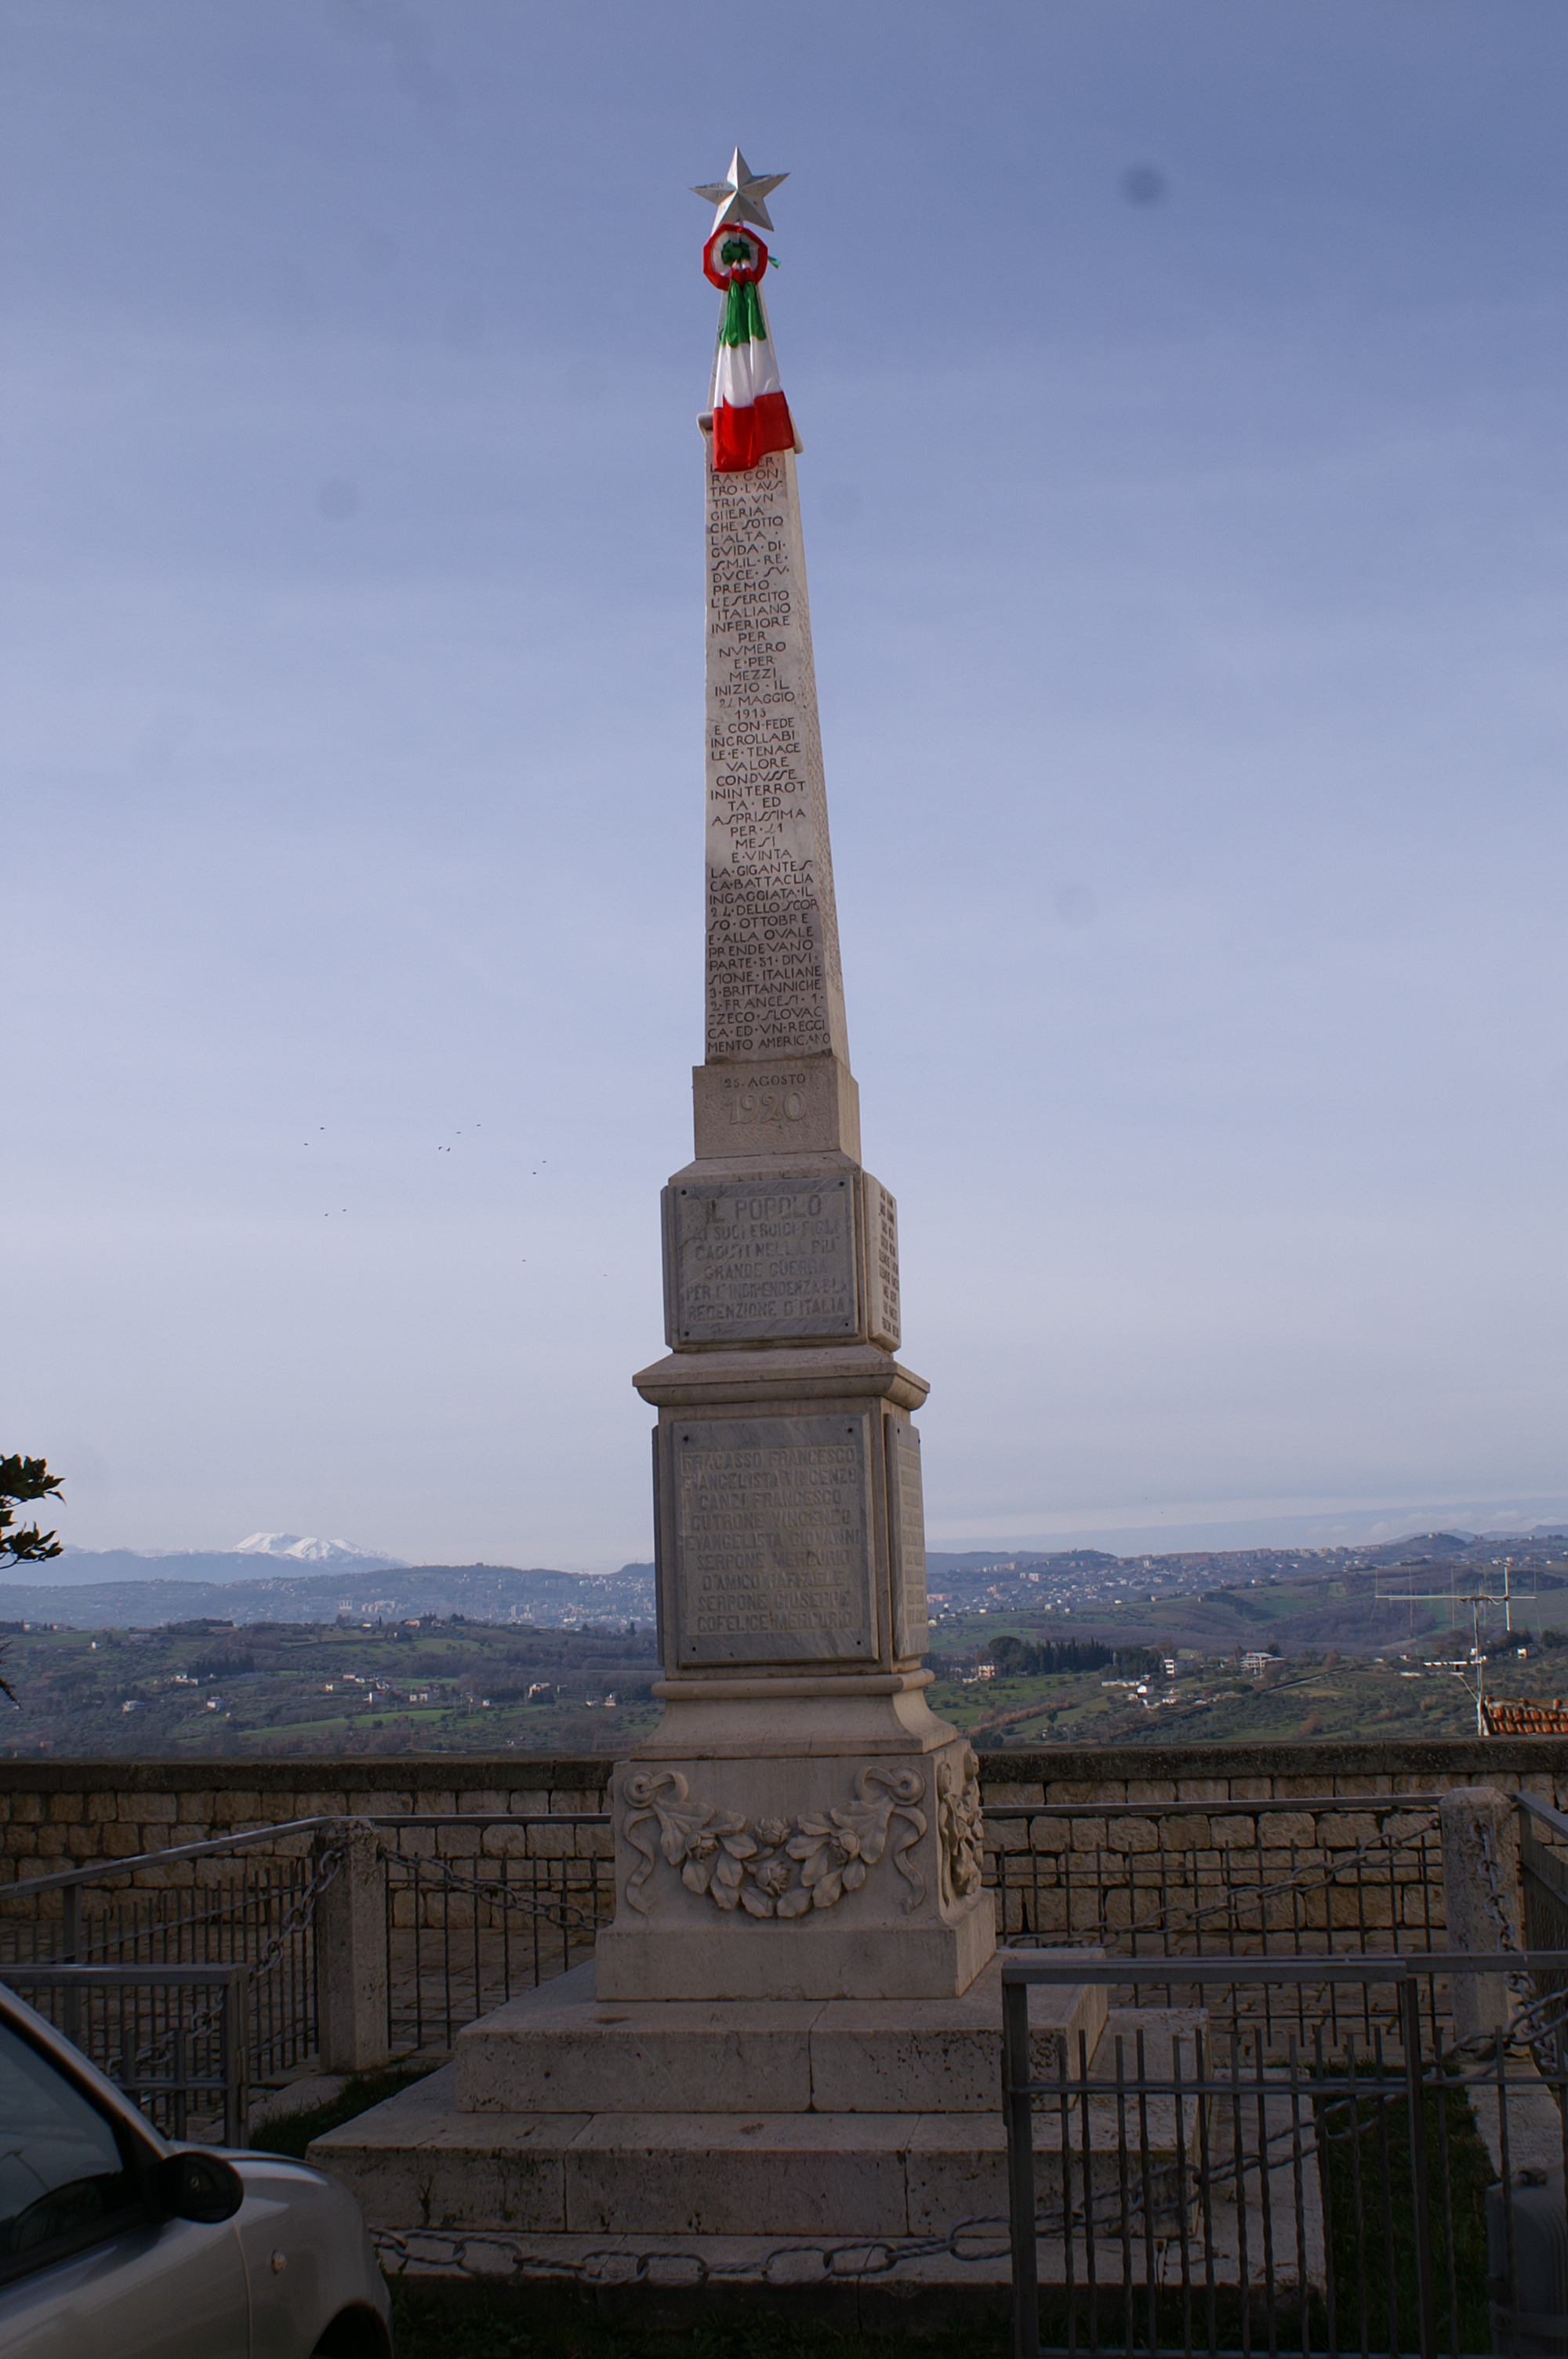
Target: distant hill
[144, 1597]
[288, 1550]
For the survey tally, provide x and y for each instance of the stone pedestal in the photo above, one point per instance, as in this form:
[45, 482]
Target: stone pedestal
[789, 2029]
[796, 2144]
[566, 2117]
[786, 1876]
[801, 1826]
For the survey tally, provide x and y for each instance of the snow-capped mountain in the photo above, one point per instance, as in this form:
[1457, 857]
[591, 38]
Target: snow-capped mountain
[310, 1551]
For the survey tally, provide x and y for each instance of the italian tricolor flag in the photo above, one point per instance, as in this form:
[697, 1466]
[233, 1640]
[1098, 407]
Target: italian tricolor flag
[751, 416]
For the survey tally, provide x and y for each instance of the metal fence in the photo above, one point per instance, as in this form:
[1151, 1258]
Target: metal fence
[465, 1935]
[172, 2036]
[1312, 1876]
[260, 1916]
[479, 1908]
[1185, 2183]
[1543, 1872]
[519, 1903]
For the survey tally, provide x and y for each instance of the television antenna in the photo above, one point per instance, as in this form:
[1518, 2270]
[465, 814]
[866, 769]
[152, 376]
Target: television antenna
[1491, 1586]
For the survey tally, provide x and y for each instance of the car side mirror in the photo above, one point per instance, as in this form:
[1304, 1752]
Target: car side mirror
[195, 2187]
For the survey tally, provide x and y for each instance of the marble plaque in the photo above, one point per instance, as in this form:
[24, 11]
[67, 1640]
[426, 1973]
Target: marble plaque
[750, 1260]
[775, 986]
[882, 1265]
[906, 1525]
[771, 1525]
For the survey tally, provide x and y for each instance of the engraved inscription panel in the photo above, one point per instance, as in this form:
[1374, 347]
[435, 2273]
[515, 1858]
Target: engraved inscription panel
[907, 1515]
[773, 979]
[775, 1105]
[753, 1259]
[771, 1102]
[772, 1539]
[882, 1265]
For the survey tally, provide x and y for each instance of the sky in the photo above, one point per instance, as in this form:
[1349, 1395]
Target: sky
[1182, 389]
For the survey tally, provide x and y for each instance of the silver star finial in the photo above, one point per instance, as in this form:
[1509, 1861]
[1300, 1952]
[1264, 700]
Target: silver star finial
[739, 196]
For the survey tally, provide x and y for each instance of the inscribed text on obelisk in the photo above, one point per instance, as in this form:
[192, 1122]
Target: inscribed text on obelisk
[773, 979]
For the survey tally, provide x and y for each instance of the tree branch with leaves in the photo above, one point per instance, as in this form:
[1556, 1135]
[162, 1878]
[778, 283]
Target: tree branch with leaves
[22, 1482]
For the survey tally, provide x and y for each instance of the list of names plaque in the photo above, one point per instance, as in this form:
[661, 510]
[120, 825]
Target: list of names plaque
[772, 1539]
[907, 1515]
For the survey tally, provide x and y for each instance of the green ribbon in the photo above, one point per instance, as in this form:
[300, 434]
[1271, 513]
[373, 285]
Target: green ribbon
[742, 315]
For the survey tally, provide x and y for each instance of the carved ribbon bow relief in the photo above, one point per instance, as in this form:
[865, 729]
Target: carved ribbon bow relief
[774, 1867]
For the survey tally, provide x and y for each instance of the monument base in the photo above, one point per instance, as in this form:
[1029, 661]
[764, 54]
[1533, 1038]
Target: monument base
[564, 2114]
[574, 2139]
[929, 1962]
[840, 1872]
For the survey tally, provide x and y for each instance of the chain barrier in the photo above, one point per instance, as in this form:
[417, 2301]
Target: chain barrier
[1173, 1917]
[854, 2258]
[296, 1917]
[1103, 2217]
[1537, 2020]
[498, 1893]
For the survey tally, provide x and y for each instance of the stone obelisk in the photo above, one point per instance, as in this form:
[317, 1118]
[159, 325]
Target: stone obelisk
[801, 1825]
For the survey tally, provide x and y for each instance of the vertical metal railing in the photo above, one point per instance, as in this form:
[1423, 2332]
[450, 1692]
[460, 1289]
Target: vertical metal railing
[464, 1935]
[1298, 1877]
[172, 2036]
[1202, 2183]
[233, 1920]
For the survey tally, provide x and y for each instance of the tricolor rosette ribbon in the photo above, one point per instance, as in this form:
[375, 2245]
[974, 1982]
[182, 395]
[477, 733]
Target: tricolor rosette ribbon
[751, 416]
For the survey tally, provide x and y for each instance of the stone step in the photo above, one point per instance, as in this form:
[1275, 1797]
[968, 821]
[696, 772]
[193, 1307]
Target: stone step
[420, 2161]
[559, 2049]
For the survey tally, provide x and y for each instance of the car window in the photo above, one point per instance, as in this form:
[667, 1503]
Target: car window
[61, 2169]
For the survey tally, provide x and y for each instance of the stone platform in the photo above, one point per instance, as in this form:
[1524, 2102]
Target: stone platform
[571, 2134]
[564, 2114]
[822, 2154]
[559, 2048]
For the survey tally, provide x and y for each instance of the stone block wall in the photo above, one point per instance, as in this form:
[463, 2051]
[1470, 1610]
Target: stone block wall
[62, 1814]
[1136, 1808]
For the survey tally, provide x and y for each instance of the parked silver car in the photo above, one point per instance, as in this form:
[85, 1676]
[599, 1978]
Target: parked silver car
[114, 2244]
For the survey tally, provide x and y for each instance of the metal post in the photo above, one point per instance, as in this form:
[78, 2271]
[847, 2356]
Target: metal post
[1016, 2106]
[1410, 2027]
[180, 2080]
[236, 2016]
[70, 1942]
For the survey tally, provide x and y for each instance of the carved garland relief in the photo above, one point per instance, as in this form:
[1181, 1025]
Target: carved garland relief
[960, 1829]
[774, 1867]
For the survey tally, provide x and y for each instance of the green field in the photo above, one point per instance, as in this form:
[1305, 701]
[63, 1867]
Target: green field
[302, 1689]
[1352, 1663]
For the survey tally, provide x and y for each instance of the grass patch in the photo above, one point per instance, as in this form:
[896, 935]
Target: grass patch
[290, 2134]
[1371, 2219]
